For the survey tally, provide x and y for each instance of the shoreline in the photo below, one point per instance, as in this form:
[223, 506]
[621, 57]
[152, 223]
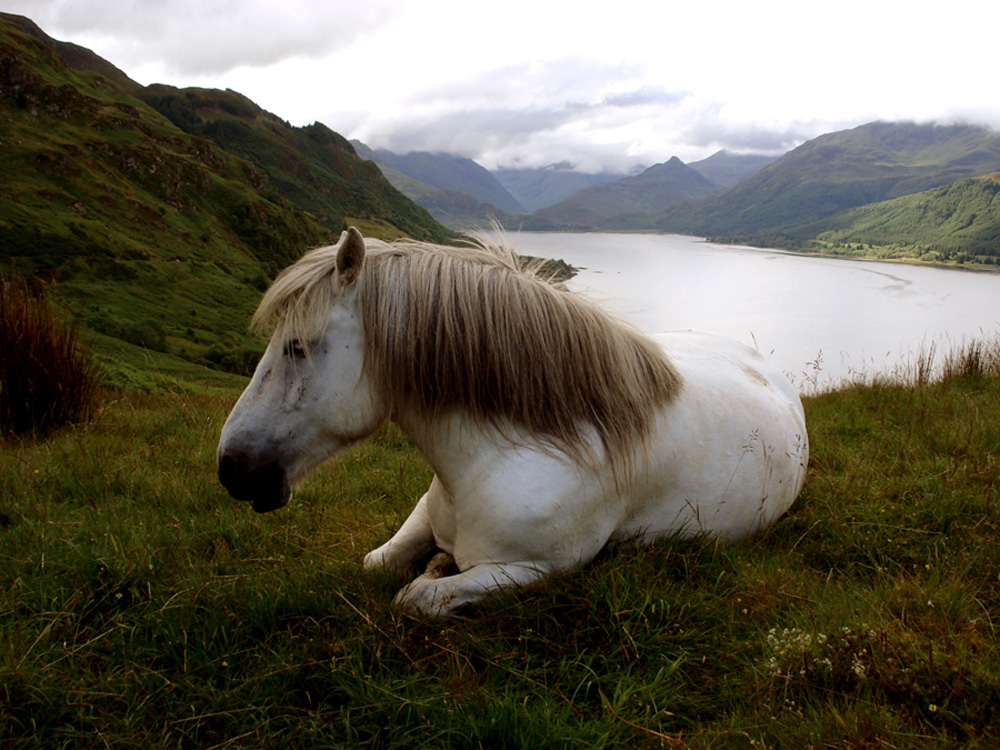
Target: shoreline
[964, 267]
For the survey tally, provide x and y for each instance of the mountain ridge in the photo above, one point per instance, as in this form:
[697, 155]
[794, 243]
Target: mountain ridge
[834, 172]
[600, 206]
[447, 172]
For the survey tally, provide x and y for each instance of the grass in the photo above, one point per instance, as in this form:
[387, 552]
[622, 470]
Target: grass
[140, 606]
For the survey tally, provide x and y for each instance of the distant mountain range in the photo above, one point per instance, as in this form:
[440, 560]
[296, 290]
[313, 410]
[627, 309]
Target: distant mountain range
[507, 194]
[833, 173]
[810, 198]
[725, 169]
[445, 172]
[612, 203]
[540, 188]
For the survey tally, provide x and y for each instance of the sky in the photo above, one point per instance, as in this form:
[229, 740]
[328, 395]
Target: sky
[527, 83]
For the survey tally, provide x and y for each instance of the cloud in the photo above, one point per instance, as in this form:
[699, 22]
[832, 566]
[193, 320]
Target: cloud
[712, 130]
[529, 114]
[193, 37]
[538, 84]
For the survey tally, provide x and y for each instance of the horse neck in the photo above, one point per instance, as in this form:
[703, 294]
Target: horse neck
[450, 441]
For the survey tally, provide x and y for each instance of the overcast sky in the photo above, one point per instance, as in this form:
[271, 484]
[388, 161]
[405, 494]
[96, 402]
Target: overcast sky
[604, 85]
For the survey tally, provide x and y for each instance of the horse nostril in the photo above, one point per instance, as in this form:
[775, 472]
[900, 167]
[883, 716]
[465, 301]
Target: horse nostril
[264, 485]
[228, 471]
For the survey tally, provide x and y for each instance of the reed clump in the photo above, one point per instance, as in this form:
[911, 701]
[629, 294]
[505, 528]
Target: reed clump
[47, 376]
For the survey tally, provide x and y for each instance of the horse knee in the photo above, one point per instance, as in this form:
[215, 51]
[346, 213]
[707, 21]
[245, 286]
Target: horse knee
[427, 597]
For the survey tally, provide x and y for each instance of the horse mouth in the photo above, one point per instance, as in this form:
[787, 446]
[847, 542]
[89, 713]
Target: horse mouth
[265, 504]
[265, 487]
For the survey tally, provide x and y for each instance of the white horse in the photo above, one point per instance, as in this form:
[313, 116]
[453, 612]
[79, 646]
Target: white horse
[552, 428]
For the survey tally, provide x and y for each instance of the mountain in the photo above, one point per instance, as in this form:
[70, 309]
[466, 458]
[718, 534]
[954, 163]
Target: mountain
[73, 55]
[156, 236]
[540, 188]
[314, 167]
[959, 221]
[447, 172]
[832, 173]
[612, 205]
[454, 208]
[724, 169]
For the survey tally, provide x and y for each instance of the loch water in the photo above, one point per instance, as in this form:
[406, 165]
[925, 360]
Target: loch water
[821, 320]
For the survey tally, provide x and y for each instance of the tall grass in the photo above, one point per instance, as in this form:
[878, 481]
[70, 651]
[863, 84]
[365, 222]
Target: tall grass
[967, 359]
[47, 377]
[140, 606]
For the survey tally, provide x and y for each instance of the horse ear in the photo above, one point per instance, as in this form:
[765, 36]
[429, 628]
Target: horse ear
[350, 257]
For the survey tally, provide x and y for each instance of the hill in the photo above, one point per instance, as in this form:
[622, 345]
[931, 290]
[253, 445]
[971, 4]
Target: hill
[958, 222]
[152, 236]
[833, 173]
[314, 167]
[540, 188]
[447, 172]
[73, 55]
[611, 205]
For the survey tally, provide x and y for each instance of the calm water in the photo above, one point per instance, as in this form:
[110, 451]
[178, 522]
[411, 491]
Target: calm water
[856, 316]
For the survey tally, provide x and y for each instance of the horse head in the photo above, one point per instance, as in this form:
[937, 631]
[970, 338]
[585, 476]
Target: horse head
[309, 396]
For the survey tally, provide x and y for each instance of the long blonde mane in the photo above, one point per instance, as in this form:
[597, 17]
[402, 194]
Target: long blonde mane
[474, 329]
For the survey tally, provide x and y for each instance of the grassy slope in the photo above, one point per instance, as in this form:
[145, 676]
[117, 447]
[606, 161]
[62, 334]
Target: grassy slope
[142, 607]
[960, 220]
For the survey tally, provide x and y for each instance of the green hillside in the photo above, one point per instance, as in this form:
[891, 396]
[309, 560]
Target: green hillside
[833, 173]
[158, 240]
[313, 167]
[958, 222]
[612, 205]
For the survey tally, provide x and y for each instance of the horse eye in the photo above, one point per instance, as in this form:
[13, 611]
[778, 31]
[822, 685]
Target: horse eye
[295, 349]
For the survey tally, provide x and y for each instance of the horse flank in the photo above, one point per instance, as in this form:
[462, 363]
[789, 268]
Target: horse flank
[473, 329]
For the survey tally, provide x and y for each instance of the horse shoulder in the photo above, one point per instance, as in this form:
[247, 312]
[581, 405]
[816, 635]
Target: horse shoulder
[507, 496]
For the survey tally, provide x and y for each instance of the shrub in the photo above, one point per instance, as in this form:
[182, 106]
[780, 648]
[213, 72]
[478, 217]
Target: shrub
[47, 377]
[143, 332]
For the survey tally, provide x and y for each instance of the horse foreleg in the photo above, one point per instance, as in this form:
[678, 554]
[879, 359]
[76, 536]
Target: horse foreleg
[438, 597]
[414, 540]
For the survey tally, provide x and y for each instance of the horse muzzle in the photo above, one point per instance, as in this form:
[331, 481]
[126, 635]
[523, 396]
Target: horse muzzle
[265, 486]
